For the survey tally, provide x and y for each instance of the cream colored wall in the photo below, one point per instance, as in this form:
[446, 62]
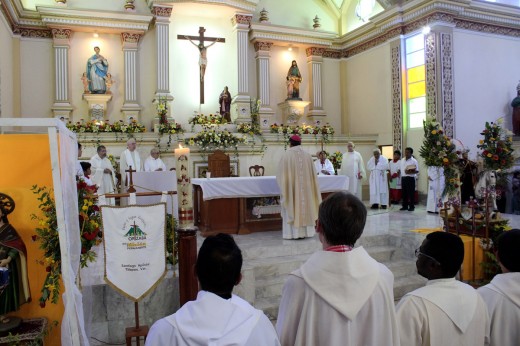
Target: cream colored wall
[6, 71]
[147, 80]
[367, 94]
[486, 73]
[331, 91]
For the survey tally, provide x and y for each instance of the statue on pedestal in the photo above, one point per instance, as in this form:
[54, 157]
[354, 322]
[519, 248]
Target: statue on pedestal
[516, 111]
[225, 104]
[97, 69]
[293, 82]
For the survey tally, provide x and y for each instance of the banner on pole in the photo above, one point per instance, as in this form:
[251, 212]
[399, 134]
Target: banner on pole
[134, 238]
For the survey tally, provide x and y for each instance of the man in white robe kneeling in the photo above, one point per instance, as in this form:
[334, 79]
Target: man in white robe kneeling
[103, 174]
[378, 168]
[445, 311]
[299, 191]
[340, 295]
[502, 294]
[217, 317]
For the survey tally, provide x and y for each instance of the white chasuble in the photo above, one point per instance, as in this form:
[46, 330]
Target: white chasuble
[152, 165]
[129, 158]
[435, 188]
[106, 182]
[353, 166]
[378, 180]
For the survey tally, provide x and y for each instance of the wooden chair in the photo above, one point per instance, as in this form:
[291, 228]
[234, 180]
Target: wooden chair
[256, 171]
[219, 164]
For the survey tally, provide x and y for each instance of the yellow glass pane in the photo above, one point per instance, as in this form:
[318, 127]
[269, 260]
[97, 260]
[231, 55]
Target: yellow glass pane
[416, 90]
[416, 74]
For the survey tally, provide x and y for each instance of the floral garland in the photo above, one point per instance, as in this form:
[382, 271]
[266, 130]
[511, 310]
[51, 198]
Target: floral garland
[325, 131]
[438, 150]
[214, 139]
[201, 119]
[170, 128]
[104, 126]
[47, 235]
[335, 158]
[497, 150]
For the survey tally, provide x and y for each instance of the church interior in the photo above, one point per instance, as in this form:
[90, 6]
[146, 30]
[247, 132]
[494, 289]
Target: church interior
[241, 76]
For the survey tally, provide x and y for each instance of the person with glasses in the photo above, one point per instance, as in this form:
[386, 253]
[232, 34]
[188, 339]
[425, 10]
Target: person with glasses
[340, 295]
[502, 294]
[445, 311]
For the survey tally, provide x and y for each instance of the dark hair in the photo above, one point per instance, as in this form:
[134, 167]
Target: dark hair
[342, 218]
[508, 249]
[100, 147]
[409, 148]
[398, 152]
[447, 249]
[79, 145]
[219, 264]
[294, 143]
[85, 165]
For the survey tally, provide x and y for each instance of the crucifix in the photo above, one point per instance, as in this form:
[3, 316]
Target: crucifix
[203, 60]
[131, 188]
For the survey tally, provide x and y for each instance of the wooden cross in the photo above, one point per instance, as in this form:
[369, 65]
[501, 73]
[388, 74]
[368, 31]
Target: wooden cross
[131, 188]
[203, 60]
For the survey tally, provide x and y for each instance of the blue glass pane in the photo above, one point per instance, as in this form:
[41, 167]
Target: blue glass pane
[415, 59]
[414, 43]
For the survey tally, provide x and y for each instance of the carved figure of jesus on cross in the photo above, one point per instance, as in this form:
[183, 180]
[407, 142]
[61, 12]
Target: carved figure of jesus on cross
[203, 59]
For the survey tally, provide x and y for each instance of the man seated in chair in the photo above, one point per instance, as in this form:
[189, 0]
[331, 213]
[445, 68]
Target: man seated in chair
[323, 165]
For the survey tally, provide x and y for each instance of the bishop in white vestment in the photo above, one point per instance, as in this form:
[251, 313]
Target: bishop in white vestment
[378, 168]
[129, 157]
[353, 166]
[435, 188]
[103, 174]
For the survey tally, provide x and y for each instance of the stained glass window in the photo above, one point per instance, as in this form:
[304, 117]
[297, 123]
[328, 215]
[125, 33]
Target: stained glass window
[415, 81]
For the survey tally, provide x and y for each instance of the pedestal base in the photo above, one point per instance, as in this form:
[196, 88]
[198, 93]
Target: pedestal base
[317, 116]
[241, 109]
[62, 110]
[131, 112]
[97, 105]
[293, 111]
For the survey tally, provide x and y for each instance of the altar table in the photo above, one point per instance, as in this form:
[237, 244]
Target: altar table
[227, 205]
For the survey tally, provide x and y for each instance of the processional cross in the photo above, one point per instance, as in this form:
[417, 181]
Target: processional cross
[131, 188]
[203, 60]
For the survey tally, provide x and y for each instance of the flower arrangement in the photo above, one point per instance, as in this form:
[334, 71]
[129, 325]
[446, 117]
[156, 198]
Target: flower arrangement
[438, 150]
[114, 162]
[249, 128]
[497, 150]
[47, 235]
[104, 126]
[335, 158]
[162, 109]
[205, 120]
[214, 139]
[325, 131]
[170, 128]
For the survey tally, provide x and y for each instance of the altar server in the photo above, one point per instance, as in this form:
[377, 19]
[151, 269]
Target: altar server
[299, 191]
[323, 165]
[378, 168]
[153, 162]
[217, 317]
[445, 311]
[502, 294]
[103, 173]
[435, 188]
[353, 166]
[395, 178]
[129, 157]
[340, 295]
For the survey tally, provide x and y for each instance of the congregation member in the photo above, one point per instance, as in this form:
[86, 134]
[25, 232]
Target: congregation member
[103, 173]
[86, 167]
[502, 294]
[353, 166]
[323, 165]
[435, 189]
[445, 311]
[377, 165]
[299, 191]
[216, 317]
[79, 169]
[394, 167]
[409, 170]
[340, 295]
[129, 157]
[153, 162]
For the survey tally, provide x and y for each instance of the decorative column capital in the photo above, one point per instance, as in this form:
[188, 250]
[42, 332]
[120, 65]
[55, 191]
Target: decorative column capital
[241, 20]
[130, 40]
[263, 46]
[61, 35]
[162, 11]
[314, 51]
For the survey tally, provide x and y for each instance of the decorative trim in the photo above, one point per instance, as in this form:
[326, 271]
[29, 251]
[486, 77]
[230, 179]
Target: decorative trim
[61, 34]
[397, 100]
[162, 11]
[448, 116]
[347, 53]
[431, 75]
[130, 37]
[333, 54]
[244, 19]
[487, 28]
[263, 46]
[31, 32]
[316, 51]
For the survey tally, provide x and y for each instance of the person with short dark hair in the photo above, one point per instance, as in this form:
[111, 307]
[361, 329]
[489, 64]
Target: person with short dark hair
[216, 317]
[445, 311]
[323, 165]
[340, 295]
[409, 170]
[502, 294]
[395, 177]
[86, 173]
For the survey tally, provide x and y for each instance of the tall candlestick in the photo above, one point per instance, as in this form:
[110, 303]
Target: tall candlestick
[184, 192]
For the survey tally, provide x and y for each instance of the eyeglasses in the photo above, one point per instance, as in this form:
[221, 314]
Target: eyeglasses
[418, 252]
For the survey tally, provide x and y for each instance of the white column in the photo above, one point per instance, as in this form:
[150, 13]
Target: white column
[61, 107]
[131, 107]
[314, 62]
[162, 15]
[241, 102]
[263, 59]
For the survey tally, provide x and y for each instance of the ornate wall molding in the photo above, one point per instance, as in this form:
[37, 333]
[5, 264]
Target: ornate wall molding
[487, 28]
[333, 54]
[395, 32]
[448, 116]
[431, 75]
[130, 37]
[162, 11]
[31, 32]
[244, 19]
[263, 46]
[61, 34]
[316, 51]
[397, 98]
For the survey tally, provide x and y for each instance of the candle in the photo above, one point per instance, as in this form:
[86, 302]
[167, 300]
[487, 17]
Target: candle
[184, 193]
[181, 151]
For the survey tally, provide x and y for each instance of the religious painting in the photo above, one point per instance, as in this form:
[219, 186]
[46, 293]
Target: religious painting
[201, 167]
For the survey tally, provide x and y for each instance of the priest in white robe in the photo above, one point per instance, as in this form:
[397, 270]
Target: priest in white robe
[445, 311]
[435, 188]
[299, 191]
[129, 157]
[340, 295]
[154, 163]
[353, 166]
[377, 165]
[217, 317]
[103, 173]
[323, 165]
[502, 294]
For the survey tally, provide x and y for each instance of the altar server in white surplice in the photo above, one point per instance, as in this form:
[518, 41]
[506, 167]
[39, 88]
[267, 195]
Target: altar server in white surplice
[502, 294]
[353, 166]
[340, 295]
[378, 168]
[299, 191]
[103, 173]
[129, 157]
[435, 188]
[153, 162]
[445, 311]
[217, 317]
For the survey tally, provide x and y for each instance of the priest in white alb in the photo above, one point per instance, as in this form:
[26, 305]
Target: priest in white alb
[502, 294]
[377, 165]
[435, 188]
[103, 173]
[154, 163]
[445, 311]
[340, 295]
[299, 191]
[353, 166]
[129, 157]
[323, 165]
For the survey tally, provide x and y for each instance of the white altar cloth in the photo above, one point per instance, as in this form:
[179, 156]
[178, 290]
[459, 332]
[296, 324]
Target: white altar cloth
[242, 187]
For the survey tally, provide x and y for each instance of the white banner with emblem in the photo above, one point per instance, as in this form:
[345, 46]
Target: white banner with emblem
[134, 238]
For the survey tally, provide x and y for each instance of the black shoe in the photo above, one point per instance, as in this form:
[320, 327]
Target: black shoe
[411, 209]
[404, 208]
[374, 206]
[383, 207]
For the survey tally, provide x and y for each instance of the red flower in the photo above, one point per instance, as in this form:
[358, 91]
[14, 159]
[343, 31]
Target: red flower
[48, 269]
[34, 237]
[83, 250]
[485, 152]
[89, 236]
[495, 157]
[42, 304]
[95, 208]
